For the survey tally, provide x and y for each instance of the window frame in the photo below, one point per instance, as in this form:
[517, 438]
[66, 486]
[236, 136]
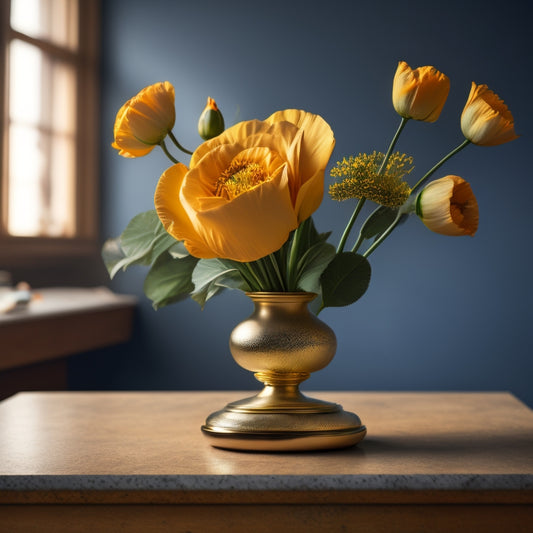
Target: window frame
[16, 250]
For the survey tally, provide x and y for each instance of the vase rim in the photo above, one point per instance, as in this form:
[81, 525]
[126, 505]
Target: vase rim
[271, 296]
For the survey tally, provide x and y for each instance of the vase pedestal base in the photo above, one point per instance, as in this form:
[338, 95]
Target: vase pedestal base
[282, 343]
[282, 419]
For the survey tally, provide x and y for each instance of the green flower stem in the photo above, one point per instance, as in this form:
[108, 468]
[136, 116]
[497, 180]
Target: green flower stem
[293, 259]
[167, 153]
[392, 145]
[178, 145]
[259, 285]
[261, 274]
[384, 235]
[247, 273]
[243, 271]
[426, 176]
[361, 202]
[350, 224]
[275, 267]
[358, 242]
[268, 275]
[281, 259]
[360, 238]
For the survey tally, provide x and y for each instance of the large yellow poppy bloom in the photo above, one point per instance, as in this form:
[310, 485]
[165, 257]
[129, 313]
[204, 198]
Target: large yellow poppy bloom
[247, 188]
[486, 120]
[145, 120]
[419, 93]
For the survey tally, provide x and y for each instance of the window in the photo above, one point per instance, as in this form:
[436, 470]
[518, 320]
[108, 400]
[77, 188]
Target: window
[48, 87]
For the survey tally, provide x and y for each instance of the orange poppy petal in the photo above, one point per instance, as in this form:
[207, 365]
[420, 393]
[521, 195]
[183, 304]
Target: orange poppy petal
[310, 196]
[252, 225]
[172, 215]
[317, 141]
[233, 135]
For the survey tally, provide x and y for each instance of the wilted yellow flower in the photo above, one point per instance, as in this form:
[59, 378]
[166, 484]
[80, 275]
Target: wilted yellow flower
[247, 188]
[211, 121]
[420, 93]
[448, 206]
[486, 120]
[145, 120]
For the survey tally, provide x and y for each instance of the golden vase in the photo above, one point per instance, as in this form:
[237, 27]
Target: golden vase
[282, 342]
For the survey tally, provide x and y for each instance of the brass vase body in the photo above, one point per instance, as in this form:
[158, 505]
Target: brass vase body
[282, 337]
[282, 342]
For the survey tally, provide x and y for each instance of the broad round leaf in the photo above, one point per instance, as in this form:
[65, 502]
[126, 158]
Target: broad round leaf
[345, 279]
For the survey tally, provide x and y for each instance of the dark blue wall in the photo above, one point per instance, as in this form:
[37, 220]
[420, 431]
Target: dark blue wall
[441, 313]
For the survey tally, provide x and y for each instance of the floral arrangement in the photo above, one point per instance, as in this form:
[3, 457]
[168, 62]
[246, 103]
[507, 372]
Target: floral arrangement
[239, 216]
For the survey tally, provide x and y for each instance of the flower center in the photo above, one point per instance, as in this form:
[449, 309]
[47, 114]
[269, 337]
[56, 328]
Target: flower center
[462, 209]
[240, 177]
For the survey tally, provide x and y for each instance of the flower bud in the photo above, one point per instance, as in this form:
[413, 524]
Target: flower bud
[211, 121]
[419, 93]
[145, 120]
[448, 206]
[486, 120]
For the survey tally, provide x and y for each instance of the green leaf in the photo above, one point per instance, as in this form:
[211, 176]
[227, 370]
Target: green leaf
[310, 235]
[178, 250]
[141, 243]
[113, 256]
[145, 238]
[345, 279]
[205, 293]
[170, 280]
[312, 264]
[316, 305]
[378, 222]
[211, 276]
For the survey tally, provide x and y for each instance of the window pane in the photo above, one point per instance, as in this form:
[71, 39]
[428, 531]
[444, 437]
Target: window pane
[25, 176]
[51, 20]
[41, 186]
[26, 73]
[60, 213]
[42, 160]
[62, 118]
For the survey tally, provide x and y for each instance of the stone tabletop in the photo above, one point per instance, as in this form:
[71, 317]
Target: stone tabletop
[151, 441]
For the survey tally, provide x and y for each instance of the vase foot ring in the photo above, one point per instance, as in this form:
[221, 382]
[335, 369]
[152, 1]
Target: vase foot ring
[284, 442]
[301, 428]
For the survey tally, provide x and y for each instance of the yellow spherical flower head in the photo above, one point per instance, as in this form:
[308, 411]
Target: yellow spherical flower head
[419, 94]
[247, 188]
[145, 120]
[448, 206]
[486, 120]
[360, 178]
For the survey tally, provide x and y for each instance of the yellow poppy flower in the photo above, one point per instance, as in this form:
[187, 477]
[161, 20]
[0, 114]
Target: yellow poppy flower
[145, 120]
[420, 93]
[486, 120]
[448, 206]
[247, 188]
